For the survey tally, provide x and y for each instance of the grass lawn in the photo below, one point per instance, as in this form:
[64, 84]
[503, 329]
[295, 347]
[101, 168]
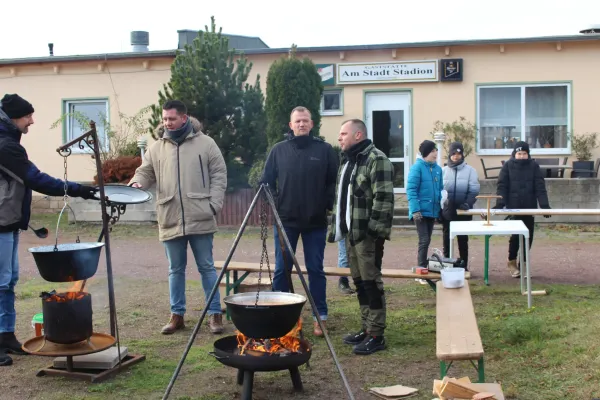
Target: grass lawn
[549, 352]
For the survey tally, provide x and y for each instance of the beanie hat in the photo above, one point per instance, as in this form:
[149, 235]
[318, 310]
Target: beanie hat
[15, 106]
[426, 147]
[457, 147]
[521, 146]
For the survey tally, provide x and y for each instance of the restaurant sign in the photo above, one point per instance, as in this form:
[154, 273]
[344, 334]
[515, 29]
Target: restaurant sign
[388, 72]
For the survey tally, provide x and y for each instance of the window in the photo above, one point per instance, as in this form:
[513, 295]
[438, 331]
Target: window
[332, 102]
[79, 113]
[538, 114]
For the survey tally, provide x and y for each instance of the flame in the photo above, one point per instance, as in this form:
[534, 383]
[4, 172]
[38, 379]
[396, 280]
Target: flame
[288, 343]
[72, 293]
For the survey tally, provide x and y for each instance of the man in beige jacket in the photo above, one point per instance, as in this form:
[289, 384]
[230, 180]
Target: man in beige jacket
[191, 177]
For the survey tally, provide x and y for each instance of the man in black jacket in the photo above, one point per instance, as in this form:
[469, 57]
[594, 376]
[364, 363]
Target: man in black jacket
[521, 185]
[301, 172]
[18, 177]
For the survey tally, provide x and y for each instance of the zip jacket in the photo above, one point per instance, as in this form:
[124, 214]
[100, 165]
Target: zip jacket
[424, 189]
[190, 178]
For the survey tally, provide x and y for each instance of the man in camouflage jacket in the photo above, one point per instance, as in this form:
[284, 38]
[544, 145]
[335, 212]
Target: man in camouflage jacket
[363, 215]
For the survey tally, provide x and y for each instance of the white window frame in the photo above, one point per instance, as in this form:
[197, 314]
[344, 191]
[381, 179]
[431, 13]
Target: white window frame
[339, 91]
[534, 151]
[75, 149]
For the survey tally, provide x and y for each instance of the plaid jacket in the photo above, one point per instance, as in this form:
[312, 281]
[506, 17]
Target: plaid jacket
[372, 197]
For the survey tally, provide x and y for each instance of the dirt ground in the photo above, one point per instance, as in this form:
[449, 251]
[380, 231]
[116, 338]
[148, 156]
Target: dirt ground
[140, 270]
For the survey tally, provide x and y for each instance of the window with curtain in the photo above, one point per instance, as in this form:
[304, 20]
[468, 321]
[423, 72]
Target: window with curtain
[537, 114]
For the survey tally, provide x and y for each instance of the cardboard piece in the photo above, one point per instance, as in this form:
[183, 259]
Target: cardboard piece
[395, 392]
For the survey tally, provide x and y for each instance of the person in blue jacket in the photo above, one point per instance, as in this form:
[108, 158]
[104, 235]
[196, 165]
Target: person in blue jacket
[424, 192]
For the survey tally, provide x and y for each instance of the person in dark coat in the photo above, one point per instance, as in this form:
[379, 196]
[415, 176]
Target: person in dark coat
[521, 185]
[301, 171]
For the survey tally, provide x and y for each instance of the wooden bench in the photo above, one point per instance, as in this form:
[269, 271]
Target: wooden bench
[457, 333]
[247, 268]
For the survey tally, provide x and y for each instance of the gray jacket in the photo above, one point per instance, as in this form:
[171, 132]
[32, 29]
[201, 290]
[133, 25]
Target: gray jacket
[467, 184]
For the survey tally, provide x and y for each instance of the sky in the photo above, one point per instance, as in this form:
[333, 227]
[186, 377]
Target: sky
[28, 26]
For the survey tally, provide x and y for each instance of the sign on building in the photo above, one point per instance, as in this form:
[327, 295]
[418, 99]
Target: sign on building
[388, 72]
[327, 73]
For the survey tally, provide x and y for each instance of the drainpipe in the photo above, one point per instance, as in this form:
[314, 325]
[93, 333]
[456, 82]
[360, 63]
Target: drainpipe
[439, 138]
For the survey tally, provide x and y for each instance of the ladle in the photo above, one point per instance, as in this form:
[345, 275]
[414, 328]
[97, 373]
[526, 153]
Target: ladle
[42, 232]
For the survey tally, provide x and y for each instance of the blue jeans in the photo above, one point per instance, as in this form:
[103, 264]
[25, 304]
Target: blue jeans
[176, 249]
[342, 254]
[9, 275]
[314, 252]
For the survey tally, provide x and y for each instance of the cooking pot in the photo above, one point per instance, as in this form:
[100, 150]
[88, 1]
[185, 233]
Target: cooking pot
[273, 316]
[68, 262]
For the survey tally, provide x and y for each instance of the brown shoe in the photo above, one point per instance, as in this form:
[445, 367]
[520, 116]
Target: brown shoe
[514, 269]
[317, 331]
[175, 323]
[215, 323]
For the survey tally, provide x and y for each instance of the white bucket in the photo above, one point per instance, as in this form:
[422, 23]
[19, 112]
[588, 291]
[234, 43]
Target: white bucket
[453, 278]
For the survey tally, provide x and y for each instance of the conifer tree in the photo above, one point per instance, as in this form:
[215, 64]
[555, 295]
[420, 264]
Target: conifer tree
[211, 80]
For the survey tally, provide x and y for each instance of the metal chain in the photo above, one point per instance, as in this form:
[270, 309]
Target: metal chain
[265, 254]
[66, 187]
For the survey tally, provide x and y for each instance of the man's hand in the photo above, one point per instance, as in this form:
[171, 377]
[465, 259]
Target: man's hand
[546, 208]
[86, 192]
[418, 217]
[135, 185]
[464, 207]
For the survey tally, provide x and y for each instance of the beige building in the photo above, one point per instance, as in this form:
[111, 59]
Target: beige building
[532, 89]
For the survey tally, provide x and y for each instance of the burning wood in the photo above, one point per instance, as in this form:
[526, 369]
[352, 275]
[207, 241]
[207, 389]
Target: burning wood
[283, 346]
[62, 297]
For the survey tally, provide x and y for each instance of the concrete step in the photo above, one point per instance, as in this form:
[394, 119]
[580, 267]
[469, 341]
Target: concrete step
[400, 211]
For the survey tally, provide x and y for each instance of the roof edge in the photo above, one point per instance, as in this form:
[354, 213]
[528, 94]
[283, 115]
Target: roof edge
[173, 53]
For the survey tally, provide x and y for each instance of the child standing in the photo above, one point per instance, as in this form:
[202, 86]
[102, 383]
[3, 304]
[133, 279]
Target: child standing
[424, 192]
[521, 185]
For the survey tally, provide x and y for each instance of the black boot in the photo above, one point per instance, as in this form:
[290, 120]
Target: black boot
[344, 286]
[5, 359]
[10, 345]
[370, 345]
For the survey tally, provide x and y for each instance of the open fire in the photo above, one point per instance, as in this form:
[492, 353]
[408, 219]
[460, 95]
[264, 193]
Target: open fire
[285, 345]
[73, 293]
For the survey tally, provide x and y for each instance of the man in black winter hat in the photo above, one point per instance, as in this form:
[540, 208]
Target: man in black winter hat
[18, 177]
[521, 185]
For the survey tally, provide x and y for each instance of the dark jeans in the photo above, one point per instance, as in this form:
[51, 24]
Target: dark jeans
[365, 266]
[424, 230]
[314, 252]
[513, 242]
[463, 240]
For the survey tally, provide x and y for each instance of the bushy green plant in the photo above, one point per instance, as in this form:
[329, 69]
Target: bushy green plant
[461, 130]
[583, 145]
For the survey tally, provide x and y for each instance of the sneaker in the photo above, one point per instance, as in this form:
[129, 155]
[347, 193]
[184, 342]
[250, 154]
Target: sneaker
[5, 359]
[10, 345]
[215, 323]
[370, 345]
[515, 272]
[344, 286]
[355, 338]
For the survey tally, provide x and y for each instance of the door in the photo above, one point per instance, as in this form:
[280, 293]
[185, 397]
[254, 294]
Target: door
[388, 124]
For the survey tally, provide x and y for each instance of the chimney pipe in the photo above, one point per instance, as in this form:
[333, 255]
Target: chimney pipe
[139, 41]
[51, 49]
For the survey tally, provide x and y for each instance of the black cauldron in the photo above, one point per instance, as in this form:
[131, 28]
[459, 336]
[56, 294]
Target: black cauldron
[273, 316]
[69, 262]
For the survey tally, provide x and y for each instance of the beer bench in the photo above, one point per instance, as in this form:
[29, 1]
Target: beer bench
[245, 268]
[457, 333]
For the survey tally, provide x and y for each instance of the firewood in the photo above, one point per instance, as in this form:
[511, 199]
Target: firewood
[453, 388]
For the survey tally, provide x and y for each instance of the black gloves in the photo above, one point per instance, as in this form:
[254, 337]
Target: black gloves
[546, 208]
[464, 207]
[85, 192]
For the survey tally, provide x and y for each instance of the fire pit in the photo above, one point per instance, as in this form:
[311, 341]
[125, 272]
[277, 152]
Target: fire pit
[250, 355]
